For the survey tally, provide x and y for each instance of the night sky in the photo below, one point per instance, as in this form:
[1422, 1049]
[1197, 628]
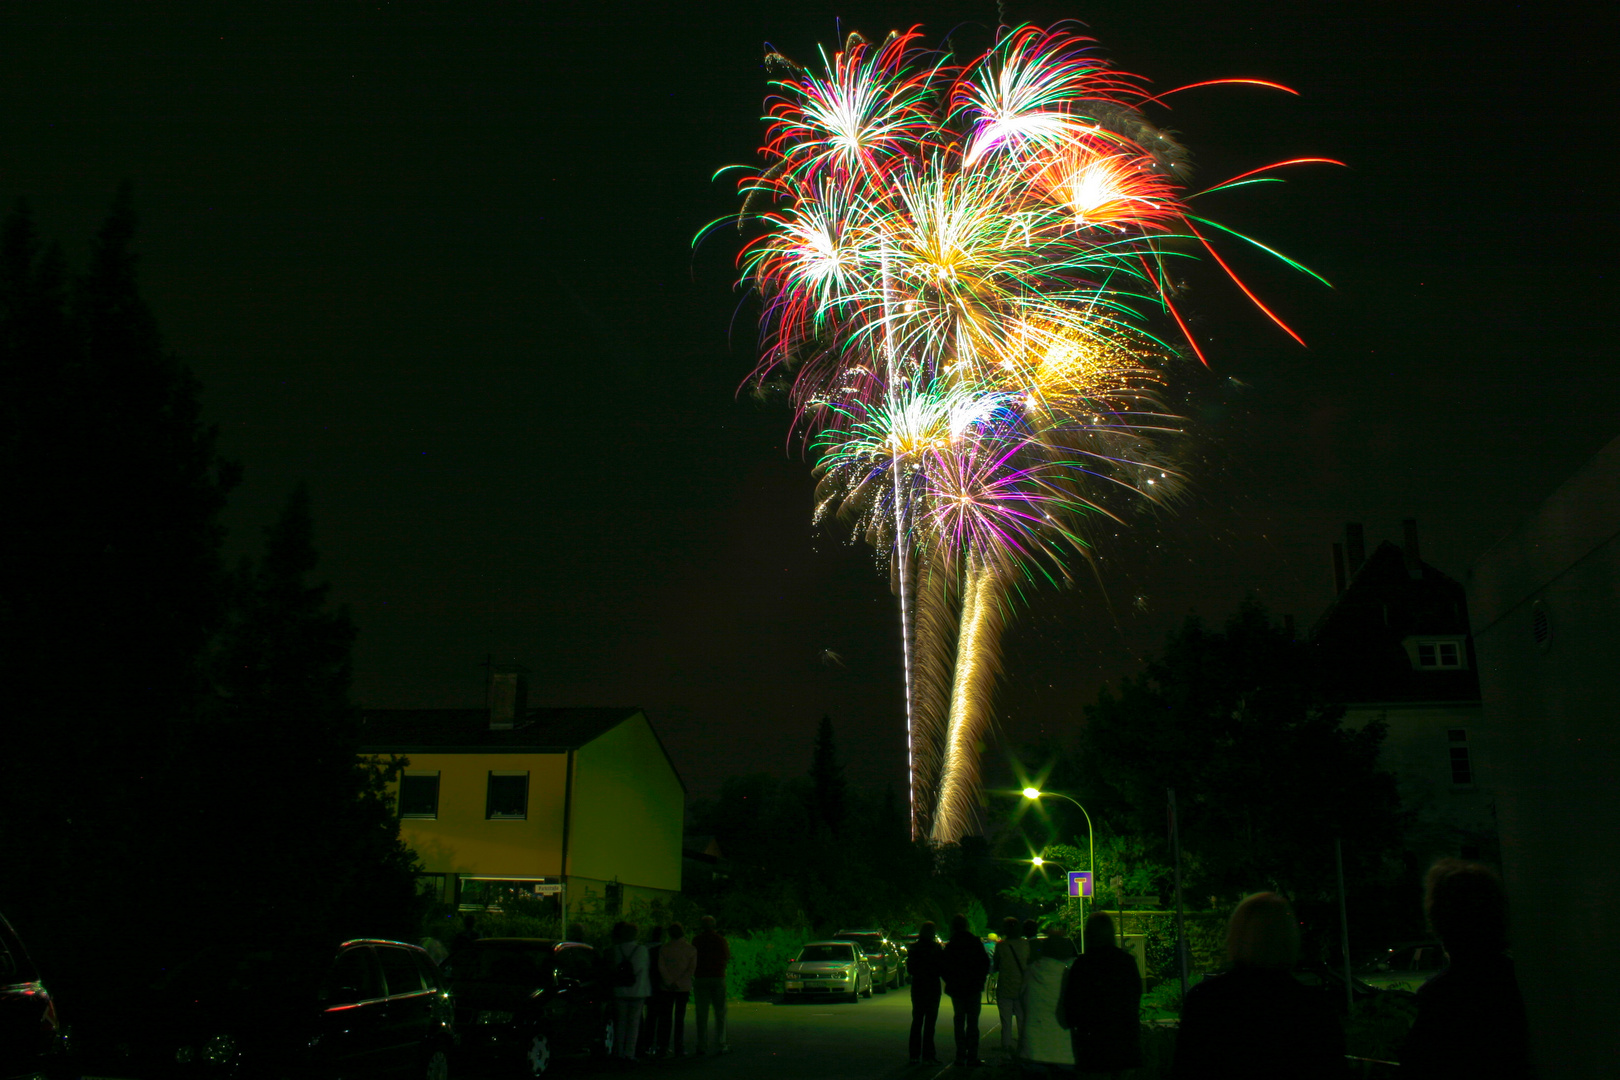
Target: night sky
[435, 259]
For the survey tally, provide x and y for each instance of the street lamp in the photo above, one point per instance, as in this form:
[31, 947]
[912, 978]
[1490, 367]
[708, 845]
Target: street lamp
[1033, 795]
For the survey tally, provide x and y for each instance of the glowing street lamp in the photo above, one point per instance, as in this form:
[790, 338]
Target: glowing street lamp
[1033, 795]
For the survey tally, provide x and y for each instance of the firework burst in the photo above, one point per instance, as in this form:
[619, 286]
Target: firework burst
[955, 263]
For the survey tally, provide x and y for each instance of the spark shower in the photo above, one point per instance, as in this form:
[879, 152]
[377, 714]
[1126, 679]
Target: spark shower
[958, 266]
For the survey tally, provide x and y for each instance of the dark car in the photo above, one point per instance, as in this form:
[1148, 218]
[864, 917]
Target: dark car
[32, 1039]
[367, 1008]
[522, 1003]
[882, 956]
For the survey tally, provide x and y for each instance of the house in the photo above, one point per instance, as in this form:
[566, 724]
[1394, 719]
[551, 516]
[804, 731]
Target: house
[1546, 604]
[1394, 646]
[580, 805]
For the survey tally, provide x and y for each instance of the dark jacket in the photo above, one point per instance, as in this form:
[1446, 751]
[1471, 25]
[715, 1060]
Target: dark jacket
[1251, 1022]
[712, 955]
[1470, 1023]
[1101, 1003]
[925, 961]
[966, 965]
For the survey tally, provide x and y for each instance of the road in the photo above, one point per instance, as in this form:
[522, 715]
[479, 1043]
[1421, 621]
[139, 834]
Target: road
[820, 1040]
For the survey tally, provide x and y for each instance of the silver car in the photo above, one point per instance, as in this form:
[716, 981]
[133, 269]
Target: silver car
[828, 969]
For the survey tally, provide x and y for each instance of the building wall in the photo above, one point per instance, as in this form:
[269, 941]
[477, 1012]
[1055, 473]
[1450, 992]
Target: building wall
[463, 841]
[1450, 819]
[1546, 604]
[628, 811]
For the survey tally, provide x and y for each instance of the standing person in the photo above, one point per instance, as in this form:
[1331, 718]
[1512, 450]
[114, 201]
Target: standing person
[1256, 1019]
[925, 963]
[1101, 1003]
[677, 962]
[966, 965]
[644, 1042]
[1470, 1017]
[709, 985]
[1010, 960]
[628, 998]
[466, 935]
[1044, 1042]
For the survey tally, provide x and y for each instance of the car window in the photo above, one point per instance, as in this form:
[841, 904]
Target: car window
[826, 953]
[429, 970]
[399, 971]
[525, 966]
[353, 977]
[576, 962]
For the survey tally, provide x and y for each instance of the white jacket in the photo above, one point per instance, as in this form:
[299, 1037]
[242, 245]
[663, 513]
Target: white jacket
[1044, 1038]
[637, 952]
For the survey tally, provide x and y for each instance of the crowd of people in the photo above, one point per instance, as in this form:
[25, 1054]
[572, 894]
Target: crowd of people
[1063, 1010]
[660, 976]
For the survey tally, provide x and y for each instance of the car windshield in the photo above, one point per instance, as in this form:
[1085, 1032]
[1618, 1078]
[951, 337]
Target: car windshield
[529, 964]
[826, 954]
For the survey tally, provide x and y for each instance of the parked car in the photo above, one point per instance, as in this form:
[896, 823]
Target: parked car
[885, 959]
[33, 1041]
[1329, 980]
[1407, 965]
[521, 1003]
[828, 969]
[366, 1008]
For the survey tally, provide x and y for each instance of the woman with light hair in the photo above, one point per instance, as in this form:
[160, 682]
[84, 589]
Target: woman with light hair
[1255, 1018]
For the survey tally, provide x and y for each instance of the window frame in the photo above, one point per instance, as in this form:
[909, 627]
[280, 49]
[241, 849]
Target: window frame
[437, 777]
[489, 795]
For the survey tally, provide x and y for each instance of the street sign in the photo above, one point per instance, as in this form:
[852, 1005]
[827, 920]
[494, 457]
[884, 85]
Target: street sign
[1080, 883]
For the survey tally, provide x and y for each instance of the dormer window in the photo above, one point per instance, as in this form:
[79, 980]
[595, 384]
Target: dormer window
[1437, 653]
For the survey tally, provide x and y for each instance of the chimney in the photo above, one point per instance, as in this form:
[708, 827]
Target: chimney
[1414, 562]
[1355, 548]
[508, 696]
[1338, 569]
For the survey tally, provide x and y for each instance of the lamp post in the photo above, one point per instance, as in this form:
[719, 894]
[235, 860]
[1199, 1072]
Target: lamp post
[1033, 795]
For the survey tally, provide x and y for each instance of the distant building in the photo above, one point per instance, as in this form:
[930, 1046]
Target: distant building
[1546, 602]
[1394, 645]
[579, 805]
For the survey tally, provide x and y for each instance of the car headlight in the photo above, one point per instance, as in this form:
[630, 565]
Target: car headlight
[493, 1016]
[219, 1049]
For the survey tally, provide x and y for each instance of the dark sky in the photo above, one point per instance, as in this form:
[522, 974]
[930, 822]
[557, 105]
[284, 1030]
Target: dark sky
[435, 259]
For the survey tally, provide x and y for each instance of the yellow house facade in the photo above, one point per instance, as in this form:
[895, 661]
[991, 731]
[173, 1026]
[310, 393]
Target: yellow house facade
[580, 805]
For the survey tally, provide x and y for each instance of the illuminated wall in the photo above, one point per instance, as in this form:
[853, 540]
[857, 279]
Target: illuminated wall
[628, 810]
[463, 841]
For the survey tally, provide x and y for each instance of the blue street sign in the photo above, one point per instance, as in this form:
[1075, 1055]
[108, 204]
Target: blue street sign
[1080, 883]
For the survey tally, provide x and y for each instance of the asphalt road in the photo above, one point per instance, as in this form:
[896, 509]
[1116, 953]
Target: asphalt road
[821, 1040]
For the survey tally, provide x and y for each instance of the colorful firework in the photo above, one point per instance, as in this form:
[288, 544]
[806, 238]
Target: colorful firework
[955, 264]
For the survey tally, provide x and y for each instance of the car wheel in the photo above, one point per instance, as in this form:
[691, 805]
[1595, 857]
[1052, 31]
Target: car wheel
[438, 1066]
[868, 987]
[539, 1055]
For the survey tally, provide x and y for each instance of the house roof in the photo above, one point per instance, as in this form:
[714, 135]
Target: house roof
[1359, 638]
[542, 731]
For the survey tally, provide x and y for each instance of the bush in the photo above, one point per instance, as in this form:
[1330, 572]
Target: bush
[759, 958]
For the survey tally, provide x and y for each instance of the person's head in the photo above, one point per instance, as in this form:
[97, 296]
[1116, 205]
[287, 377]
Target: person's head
[676, 931]
[1011, 927]
[959, 923]
[1056, 930]
[576, 931]
[927, 931]
[706, 924]
[1466, 906]
[1031, 928]
[623, 931]
[1099, 931]
[1263, 934]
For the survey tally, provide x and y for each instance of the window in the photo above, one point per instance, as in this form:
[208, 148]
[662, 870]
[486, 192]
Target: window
[353, 978]
[399, 971]
[419, 795]
[508, 796]
[1440, 654]
[1462, 769]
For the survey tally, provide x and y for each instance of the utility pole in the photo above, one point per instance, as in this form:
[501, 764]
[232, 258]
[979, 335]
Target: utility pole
[1181, 921]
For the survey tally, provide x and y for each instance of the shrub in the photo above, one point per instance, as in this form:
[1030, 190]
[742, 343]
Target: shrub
[759, 958]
